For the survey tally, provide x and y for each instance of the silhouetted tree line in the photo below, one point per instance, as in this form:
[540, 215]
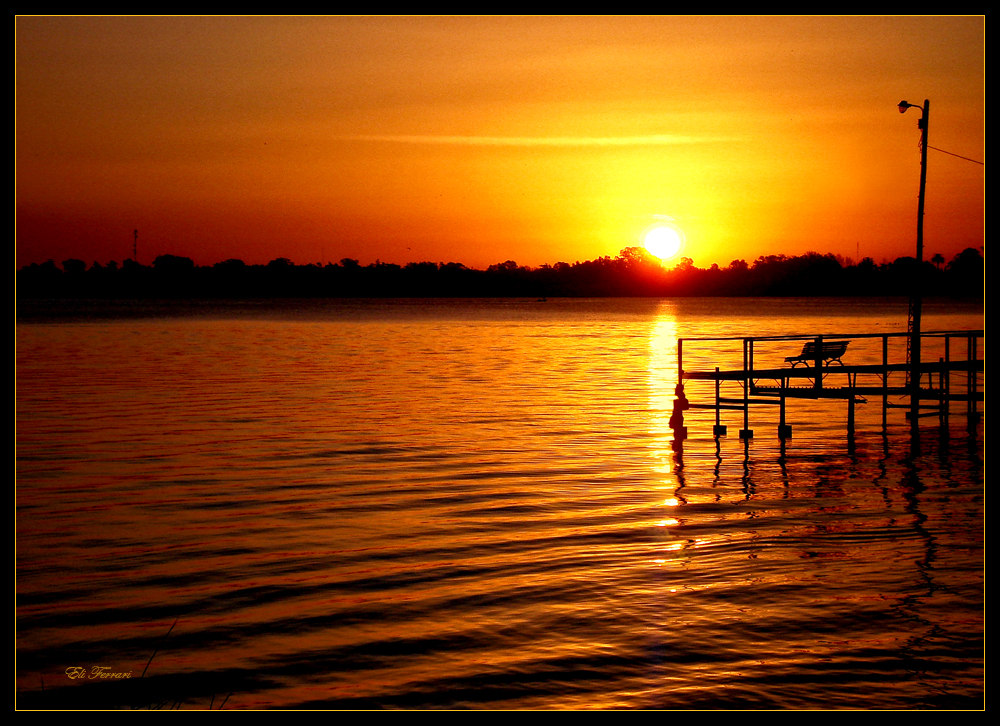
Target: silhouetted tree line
[632, 273]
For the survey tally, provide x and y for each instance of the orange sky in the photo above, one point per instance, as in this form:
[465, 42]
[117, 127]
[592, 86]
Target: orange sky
[479, 140]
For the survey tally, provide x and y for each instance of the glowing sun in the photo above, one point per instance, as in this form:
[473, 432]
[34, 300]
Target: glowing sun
[663, 241]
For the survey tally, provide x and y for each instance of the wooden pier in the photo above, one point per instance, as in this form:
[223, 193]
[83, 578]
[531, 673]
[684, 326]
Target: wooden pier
[819, 372]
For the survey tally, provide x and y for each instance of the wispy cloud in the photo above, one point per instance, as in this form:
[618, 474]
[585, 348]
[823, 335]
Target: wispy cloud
[657, 140]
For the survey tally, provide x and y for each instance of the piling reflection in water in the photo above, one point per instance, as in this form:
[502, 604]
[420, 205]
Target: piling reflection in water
[478, 505]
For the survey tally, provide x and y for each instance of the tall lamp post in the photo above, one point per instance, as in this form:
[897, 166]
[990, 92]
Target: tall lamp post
[913, 341]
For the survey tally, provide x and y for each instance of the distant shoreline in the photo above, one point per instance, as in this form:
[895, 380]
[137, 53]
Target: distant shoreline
[634, 273]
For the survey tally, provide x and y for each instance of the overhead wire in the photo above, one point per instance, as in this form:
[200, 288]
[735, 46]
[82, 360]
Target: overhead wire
[981, 163]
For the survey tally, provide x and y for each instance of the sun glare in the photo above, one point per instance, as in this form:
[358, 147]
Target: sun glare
[663, 241]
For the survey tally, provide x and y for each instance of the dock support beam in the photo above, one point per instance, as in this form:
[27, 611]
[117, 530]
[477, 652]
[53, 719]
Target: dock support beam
[818, 363]
[971, 412]
[885, 381]
[784, 430]
[745, 432]
[718, 429]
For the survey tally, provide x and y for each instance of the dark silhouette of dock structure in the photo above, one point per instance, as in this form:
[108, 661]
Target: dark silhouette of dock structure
[819, 372]
[930, 387]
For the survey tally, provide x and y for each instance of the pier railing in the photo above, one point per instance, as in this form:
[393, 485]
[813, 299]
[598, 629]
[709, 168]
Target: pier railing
[847, 367]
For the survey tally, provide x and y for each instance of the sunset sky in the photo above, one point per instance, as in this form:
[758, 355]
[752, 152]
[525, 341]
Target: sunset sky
[480, 140]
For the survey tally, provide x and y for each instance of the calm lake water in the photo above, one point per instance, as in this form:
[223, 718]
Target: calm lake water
[478, 504]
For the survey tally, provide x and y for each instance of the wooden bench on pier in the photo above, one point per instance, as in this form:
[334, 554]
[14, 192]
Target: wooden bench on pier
[828, 353]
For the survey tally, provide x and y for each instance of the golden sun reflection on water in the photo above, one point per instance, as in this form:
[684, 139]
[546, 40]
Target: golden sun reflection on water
[662, 381]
